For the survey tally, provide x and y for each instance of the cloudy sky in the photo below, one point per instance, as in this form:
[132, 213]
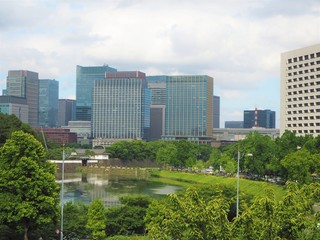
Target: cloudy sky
[237, 42]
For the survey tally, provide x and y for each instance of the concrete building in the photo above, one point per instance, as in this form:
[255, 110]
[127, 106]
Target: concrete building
[189, 108]
[67, 111]
[233, 124]
[230, 135]
[259, 118]
[85, 77]
[300, 91]
[15, 105]
[48, 102]
[58, 135]
[120, 107]
[215, 112]
[82, 129]
[23, 83]
[157, 86]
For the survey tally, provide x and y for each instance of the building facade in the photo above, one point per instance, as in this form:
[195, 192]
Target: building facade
[23, 83]
[215, 112]
[300, 91]
[120, 107]
[188, 107]
[157, 86]
[15, 105]
[67, 111]
[259, 118]
[233, 124]
[85, 77]
[48, 102]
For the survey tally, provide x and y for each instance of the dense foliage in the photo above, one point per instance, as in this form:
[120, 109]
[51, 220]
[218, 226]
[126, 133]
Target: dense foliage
[28, 191]
[10, 124]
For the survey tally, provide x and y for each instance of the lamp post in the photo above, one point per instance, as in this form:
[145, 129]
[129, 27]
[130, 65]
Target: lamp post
[62, 192]
[238, 180]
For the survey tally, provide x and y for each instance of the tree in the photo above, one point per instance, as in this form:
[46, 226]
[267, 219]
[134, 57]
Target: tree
[28, 191]
[96, 219]
[127, 219]
[189, 216]
[300, 165]
[9, 124]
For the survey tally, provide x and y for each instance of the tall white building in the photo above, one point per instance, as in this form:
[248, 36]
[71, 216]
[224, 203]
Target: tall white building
[300, 91]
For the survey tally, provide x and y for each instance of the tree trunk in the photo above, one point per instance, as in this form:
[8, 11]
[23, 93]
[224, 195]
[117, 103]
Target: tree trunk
[26, 228]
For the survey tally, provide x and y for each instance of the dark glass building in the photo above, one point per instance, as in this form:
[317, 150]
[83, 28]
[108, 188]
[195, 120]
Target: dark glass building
[259, 118]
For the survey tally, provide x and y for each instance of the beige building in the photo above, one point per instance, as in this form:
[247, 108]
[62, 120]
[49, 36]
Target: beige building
[300, 91]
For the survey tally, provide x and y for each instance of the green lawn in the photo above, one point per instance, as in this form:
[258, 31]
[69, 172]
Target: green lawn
[256, 188]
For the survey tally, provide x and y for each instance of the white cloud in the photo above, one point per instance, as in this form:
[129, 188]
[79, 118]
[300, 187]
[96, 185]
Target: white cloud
[238, 42]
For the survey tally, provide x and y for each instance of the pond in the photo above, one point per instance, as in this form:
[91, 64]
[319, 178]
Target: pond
[81, 187]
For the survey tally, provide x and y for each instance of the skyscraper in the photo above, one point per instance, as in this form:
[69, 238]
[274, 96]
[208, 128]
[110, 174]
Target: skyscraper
[48, 102]
[216, 112]
[157, 86]
[85, 77]
[67, 111]
[300, 91]
[189, 107]
[23, 83]
[120, 107]
[259, 118]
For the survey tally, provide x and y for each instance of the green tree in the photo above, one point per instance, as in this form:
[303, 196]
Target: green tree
[128, 218]
[28, 191]
[167, 154]
[10, 124]
[96, 219]
[300, 165]
[189, 216]
[75, 215]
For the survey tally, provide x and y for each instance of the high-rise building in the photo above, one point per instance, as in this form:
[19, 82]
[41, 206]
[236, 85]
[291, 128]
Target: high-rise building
[300, 91]
[189, 108]
[85, 77]
[48, 102]
[23, 83]
[67, 111]
[15, 105]
[259, 118]
[120, 108]
[157, 86]
[216, 112]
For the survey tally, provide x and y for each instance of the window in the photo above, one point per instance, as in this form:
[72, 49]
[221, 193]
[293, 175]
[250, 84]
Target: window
[306, 57]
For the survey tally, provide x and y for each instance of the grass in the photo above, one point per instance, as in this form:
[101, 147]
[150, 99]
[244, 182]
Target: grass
[255, 188]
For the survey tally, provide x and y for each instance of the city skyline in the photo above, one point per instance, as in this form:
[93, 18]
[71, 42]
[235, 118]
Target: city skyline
[238, 43]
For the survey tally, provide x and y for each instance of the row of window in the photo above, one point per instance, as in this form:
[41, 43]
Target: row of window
[304, 111]
[304, 91]
[303, 118]
[307, 64]
[305, 131]
[304, 78]
[303, 72]
[305, 57]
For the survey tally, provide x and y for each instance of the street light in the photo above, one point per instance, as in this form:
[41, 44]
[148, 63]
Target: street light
[238, 180]
[62, 192]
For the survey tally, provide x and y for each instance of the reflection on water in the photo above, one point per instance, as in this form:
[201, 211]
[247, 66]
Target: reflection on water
[80, 187]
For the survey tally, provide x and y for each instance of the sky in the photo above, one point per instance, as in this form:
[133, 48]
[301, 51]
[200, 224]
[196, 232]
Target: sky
[237, 42]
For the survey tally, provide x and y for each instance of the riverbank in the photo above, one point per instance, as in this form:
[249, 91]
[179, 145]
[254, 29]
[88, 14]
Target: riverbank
[255, 188]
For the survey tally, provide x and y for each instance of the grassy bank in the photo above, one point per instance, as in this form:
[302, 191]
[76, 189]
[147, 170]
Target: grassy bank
[255, 188]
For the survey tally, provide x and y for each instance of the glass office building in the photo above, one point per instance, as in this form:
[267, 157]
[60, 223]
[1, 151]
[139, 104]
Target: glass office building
[188, 107]
[121, 107]
[85, 77]
[259, 118]
[23, 83]
[48, 102]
